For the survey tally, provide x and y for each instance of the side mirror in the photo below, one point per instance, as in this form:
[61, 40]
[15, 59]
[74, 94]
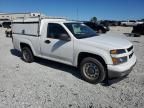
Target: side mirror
[65, 37]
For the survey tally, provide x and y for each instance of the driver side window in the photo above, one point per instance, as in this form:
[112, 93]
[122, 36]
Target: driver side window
[55, 31]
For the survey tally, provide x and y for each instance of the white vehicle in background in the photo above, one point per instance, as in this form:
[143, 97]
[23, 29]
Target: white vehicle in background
[0, 24]
[75, 44]
[131, 23]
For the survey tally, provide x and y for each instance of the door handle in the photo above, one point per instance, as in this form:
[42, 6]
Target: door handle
[47, 41]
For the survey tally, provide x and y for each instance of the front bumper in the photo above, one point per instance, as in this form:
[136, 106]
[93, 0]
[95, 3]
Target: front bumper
[121, 70]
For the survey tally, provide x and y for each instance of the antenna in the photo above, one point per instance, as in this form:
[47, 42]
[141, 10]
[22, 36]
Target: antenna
[77, 12]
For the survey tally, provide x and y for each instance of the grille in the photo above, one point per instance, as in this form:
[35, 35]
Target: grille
[130, 48]
[130, 56]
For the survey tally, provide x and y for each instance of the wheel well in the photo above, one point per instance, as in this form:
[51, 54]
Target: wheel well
[124, 25]
[84, 55]
[22, 45]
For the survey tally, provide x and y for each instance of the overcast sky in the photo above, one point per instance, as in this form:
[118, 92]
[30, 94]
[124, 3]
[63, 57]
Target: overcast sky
[79, 9]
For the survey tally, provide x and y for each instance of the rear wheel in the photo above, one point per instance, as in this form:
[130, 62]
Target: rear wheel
[100, 31]
[27, 55]
[6, 34]
[92, 70]
[124, 25]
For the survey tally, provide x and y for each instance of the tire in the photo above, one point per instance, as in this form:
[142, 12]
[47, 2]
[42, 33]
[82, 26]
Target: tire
[27, 55]
[100, 31]
[6, 34]
[92, 70]
[11, 34]
[124, 25]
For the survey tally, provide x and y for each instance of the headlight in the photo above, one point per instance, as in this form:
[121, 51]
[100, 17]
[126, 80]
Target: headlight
[105, 27]
[118, 51]
[119, 60]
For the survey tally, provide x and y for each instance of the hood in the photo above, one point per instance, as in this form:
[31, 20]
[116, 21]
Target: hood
[108, 41]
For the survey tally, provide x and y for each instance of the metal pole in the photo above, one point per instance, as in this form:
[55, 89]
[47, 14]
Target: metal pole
[77, 14]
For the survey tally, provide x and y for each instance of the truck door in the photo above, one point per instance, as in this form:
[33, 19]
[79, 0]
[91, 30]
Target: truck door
[57, 45]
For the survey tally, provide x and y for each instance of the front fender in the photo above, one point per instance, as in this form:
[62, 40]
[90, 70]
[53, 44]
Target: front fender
[95, 51]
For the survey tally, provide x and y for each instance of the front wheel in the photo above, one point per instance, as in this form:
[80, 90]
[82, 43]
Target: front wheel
[92, 70]
[27, 55]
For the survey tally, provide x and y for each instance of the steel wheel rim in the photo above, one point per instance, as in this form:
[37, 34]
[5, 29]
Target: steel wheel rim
[91, 70]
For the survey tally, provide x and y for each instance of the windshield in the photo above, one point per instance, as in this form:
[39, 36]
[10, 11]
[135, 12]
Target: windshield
[80, 30]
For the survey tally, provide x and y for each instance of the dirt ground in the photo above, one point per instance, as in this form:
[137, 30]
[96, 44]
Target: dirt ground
[47, 84]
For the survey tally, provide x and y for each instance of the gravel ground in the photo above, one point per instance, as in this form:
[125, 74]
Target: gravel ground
[47, 84]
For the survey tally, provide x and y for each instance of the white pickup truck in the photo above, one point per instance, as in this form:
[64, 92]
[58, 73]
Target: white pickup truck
[131, 23]
[75, 44]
